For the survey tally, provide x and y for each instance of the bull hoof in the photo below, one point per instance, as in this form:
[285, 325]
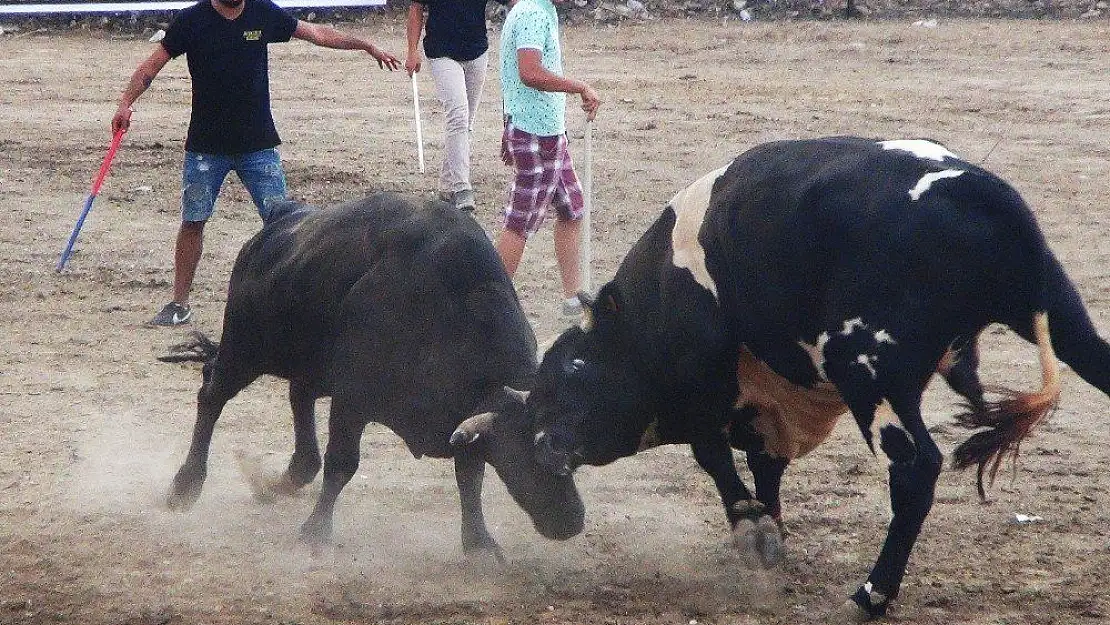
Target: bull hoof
[316, 534]
[484, 550]
[186, 488]
[261, 486]
[477, 541]
[759, 542]
[485, 554]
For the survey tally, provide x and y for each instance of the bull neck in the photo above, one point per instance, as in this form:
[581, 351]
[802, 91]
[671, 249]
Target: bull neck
[223, 10]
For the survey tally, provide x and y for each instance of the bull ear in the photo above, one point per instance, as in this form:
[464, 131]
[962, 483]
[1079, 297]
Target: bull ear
[607, 303]
[520, 397]
[471, 429]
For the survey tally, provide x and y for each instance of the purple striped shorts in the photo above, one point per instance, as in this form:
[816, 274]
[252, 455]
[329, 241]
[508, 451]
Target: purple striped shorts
[544, 178]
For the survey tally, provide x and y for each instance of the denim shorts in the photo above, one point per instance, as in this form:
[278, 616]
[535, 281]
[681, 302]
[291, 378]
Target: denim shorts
[204, 174]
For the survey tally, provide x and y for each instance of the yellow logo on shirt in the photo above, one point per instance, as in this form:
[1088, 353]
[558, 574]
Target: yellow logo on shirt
[252, 35]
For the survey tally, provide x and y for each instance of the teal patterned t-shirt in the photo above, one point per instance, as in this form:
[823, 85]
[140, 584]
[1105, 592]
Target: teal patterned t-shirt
[532, 24]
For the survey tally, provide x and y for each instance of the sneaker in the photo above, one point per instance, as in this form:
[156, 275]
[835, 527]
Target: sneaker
[464, 200]
[172, 314]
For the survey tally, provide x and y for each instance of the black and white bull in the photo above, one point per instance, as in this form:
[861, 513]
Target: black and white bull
[401, 311]
[805, 280]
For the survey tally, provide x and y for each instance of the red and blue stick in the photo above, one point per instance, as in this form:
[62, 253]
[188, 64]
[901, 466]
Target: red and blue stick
[104, 167]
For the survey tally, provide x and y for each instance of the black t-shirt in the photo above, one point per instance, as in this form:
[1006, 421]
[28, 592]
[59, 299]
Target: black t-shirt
[455, 29]
[229, 66]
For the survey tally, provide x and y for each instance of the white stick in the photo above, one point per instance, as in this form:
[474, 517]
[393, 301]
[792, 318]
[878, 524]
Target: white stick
[584, 252]
[419, 132]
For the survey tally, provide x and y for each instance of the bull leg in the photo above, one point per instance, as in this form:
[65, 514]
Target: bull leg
[753, 531]
[470, 468]
[767, 474]
[340, 464]
[915, 464]
[962, 374]
[304, 464]
[714, 456]
[189, 480]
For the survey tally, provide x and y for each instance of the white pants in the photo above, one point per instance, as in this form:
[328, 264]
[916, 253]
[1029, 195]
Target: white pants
[459, 89]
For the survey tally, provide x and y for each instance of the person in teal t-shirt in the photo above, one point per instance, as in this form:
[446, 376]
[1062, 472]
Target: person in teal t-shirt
[535, 143]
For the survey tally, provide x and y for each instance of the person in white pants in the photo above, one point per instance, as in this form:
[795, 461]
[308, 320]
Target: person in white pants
[456, 45]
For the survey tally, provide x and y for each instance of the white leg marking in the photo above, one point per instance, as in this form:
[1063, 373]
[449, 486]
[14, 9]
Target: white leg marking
[690, 205]
[919, 148]
[884, 416]
[816, 354]
[928, 179]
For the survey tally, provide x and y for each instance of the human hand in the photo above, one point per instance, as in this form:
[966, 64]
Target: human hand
[590, 102]
[385, 60]
[122, 119]
[413, 63]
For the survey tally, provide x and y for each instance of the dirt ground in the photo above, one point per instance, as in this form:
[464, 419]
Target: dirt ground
[93, 427]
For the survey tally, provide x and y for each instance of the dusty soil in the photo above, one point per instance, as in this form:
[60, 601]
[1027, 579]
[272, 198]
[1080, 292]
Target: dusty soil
[93, 426]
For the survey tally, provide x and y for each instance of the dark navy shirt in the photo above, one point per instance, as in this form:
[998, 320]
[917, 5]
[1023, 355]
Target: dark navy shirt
[455, 29]
[229, 66]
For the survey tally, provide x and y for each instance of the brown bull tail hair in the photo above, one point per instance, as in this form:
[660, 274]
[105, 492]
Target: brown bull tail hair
[199, 348]
[1011, 419]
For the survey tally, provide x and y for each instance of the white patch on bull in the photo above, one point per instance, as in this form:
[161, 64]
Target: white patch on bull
[852, 325]
[868, 361]
[538, 436]
[928, 179]
[919, 148]
[690, 205]
[882, 336]
[885, 416]
[816, 354]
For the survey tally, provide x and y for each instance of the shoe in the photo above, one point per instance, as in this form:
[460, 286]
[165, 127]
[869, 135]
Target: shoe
[572, 310]
[172, 314]
[464, 200]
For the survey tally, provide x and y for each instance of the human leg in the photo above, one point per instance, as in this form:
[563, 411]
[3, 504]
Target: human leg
[568, 235]
[475, 74]
[570, 206]
[262, 174]
[510, 247]
[529, 196]
[450, 82]
[201, 179]
[186, 258]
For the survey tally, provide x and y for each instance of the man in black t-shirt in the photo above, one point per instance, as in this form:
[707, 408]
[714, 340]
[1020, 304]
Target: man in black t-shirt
[456, 44]
[231, 127]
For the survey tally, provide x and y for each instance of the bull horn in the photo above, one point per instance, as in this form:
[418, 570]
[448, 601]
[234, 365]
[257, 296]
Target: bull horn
[470, 429]
[520, 396]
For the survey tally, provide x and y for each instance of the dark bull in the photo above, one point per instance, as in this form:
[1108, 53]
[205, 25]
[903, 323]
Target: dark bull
[401, 311]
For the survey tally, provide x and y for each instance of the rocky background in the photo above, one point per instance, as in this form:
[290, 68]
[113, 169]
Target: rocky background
[611, 11]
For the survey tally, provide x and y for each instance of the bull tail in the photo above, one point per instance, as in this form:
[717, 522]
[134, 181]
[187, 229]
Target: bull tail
[199, 348]
[1011, 419]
